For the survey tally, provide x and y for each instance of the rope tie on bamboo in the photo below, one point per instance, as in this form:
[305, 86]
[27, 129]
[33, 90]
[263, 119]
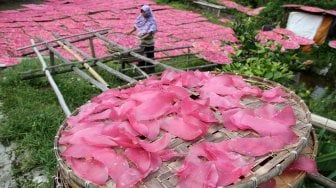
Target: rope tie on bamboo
[302, 102]
[254, 182]
[305, 140]
[279, 168]
[55, 148]
[87, 184]
[68, 171]
[326, 124]
[295, 154]
[310, 126]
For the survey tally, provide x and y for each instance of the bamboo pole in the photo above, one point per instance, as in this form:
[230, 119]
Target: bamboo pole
[52, 82]
[98, 63]
[56, 45]
[172, 56]
[318, 178]
[89, 61]
[53, 67]
[93, 53]
[55, 72]
[76, 69]
[323, 123]
[48, 41]
[87, 66]
[158, 73]
[168, 49]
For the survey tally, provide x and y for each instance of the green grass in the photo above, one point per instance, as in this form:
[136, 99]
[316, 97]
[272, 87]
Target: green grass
[33, 115]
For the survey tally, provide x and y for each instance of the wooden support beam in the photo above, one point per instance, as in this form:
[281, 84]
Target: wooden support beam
[75, 69]
[98, 63]
[52, 83]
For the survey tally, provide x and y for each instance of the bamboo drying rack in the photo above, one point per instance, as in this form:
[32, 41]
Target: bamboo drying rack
[65, 177]
[123, 56]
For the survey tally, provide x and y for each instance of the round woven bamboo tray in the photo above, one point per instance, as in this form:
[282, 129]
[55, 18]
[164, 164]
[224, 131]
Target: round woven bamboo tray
[265, 167]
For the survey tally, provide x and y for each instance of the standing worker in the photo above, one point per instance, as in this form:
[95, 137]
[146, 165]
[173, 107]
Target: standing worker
[145, 25]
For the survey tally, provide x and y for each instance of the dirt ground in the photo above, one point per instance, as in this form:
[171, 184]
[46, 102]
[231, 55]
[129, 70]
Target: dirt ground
[7, 157]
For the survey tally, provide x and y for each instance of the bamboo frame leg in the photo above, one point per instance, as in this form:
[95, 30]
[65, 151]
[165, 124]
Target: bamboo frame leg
[52, 82]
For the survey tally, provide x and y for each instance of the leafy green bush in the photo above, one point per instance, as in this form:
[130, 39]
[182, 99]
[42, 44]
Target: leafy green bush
[252, 58]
